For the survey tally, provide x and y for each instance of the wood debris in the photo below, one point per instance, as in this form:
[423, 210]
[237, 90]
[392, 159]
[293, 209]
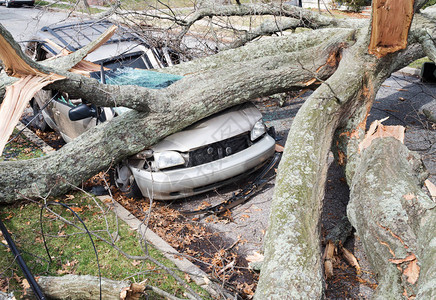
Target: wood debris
[390, 25]
[431, 189]
[31, 81]
[328, 259]
[378, 130]
[16, 98]
[350, 258]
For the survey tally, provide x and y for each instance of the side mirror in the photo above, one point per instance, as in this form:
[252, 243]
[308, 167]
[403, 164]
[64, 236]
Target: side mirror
[81, 112]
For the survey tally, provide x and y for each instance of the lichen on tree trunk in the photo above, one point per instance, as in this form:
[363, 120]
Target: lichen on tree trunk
[77, 287]
[292, 246]
[395, 219]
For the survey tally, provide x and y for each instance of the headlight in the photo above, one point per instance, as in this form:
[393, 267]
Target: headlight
[258, 130]
[167, 159]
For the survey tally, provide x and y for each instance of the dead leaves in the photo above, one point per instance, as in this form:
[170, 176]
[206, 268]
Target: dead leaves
[412, 271]
[133, 292]
[76, 209]
[68, 267]
[409, 267]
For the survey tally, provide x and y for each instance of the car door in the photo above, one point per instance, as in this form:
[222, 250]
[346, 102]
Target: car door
[68, 129]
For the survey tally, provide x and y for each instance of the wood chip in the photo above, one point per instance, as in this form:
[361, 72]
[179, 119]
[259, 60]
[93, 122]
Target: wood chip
[431, 188]
[350, 258]
[328, 257]
[378, 130]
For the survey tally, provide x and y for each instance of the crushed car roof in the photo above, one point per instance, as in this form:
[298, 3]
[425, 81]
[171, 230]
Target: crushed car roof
[76, 35]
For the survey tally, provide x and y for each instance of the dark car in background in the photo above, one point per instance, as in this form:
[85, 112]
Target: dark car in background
[208, 154]
[10, 3]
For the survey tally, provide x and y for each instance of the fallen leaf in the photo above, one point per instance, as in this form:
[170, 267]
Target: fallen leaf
[279, 148]
[255, 257]
[409, 196]
[243, 217]
[412, 272]
[25, 284]
[136, 263]
[123, 293]
[76, 209]
[410, 257]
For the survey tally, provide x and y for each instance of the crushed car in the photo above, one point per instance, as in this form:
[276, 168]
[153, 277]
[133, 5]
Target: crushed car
[208, 154]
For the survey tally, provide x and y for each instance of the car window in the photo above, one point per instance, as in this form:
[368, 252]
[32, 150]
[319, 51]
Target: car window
[38, 51]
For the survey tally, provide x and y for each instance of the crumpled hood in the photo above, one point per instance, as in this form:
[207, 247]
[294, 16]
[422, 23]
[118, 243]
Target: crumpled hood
[226, 124]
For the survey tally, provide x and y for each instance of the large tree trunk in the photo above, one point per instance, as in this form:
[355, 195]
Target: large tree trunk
[292, 246]
[181, 104]
[395, 219]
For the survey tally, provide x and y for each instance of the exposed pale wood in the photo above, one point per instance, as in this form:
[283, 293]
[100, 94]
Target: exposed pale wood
[391, 20]
[14, 65]
[17, 97]
[85, 67]
[378, 130]
[350, 258]
[395, 220]
[328, 259]
[32, 80]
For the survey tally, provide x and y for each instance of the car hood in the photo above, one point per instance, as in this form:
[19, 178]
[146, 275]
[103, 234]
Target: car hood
[218, 127]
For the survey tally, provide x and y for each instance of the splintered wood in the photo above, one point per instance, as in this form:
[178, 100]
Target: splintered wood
[391, 20]
[19, 94]
[14, 65]
[16, 98]
[378, 130]
[32, 80]
[85, 67]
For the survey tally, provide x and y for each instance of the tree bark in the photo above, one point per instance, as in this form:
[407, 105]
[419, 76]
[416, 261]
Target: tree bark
[80, 287]
[181, 104]
[292, 248]
[395, 219]
[292, 252]
[292, 267]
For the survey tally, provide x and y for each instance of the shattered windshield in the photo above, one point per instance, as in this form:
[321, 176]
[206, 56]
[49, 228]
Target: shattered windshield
[131, 76]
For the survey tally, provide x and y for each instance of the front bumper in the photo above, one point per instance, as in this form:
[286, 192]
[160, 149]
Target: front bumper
[184, 182]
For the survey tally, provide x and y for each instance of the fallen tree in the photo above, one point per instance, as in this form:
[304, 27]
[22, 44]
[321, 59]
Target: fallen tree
[351, 64]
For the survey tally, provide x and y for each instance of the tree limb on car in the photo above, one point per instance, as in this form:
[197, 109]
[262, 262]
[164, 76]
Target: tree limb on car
[334, 114]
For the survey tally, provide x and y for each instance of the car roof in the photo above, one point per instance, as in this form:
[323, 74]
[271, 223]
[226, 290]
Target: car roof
[124, 43]
[74, 36]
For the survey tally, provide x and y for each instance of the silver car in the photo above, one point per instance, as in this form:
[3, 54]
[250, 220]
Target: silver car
[208, 154]
[202, 157]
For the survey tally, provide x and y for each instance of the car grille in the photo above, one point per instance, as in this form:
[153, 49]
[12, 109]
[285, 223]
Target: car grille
[218, 150]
